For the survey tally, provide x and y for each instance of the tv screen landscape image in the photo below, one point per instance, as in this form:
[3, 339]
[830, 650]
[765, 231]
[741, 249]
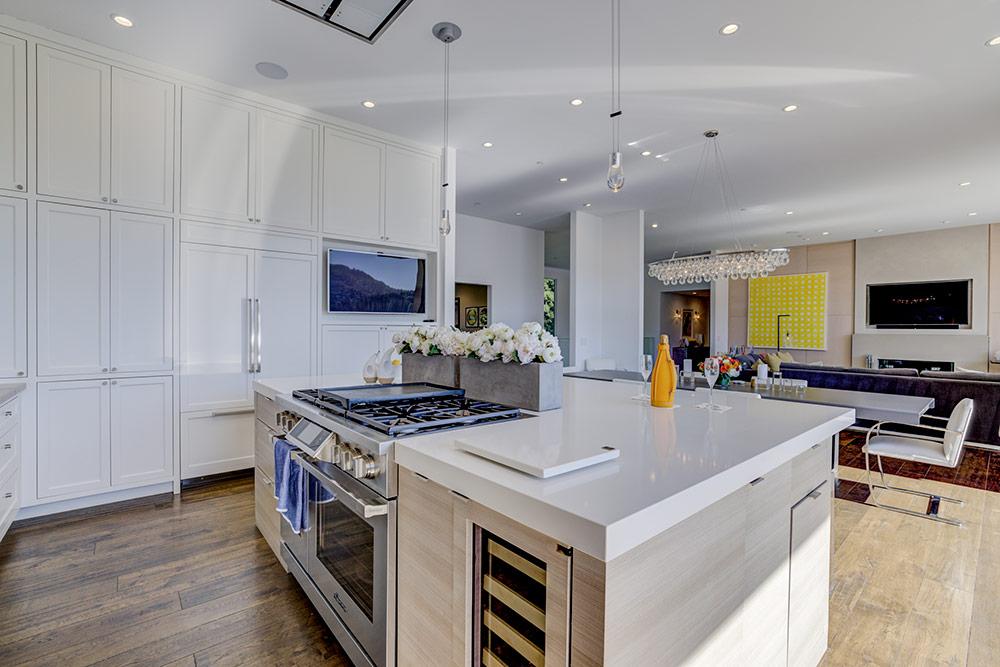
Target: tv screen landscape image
[367, 282]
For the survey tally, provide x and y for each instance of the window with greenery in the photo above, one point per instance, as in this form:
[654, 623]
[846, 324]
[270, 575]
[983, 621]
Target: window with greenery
[549, 306]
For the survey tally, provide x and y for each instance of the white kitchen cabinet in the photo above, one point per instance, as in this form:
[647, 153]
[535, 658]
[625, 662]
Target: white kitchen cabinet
[13, 287]
[142, 430]
[216, 304]
[216, 442]
[74, 446]
[287, 172]
[411, 198]
[13, 114]
[105, 286]
[73, 290]
[74, 126]
[809, 578]
[216, 158]
[286, 306]
[347, 348]
[352, 186]
[142, 141]
[142, 286]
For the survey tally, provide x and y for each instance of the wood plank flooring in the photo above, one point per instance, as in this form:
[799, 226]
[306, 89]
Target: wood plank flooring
[166, 581]
[189, 582]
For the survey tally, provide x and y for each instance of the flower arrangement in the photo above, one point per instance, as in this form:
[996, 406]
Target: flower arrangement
[728, 368]
[525, 345]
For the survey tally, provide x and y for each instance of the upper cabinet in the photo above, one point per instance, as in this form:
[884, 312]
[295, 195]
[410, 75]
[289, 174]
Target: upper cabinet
[105, 134]
[287, 172]
[13, 114]
[411, 198]
[74, 126]
[380, 193]
[13, 287]
[246, 165]
[142, 141]
[216, 160]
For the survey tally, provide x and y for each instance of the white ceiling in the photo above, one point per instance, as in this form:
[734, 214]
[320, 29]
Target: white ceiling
[899, 102]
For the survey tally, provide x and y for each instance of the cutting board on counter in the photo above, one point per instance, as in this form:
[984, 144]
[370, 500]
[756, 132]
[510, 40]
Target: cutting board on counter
[544, 461]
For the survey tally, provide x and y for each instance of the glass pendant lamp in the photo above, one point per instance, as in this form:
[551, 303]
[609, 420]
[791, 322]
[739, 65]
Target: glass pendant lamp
[616, 176]
[447, 33]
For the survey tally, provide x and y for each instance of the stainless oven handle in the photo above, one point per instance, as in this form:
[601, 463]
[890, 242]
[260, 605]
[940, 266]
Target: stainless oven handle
[345, 497]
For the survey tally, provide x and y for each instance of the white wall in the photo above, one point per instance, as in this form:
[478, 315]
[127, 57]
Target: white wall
[623, 250]
[585, 287]
[508, 258]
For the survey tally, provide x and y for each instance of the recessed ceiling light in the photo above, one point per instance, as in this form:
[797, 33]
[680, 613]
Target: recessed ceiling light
[518, 213]
[633, 143]
[973, 214]
[879, 230]
[647, 153]
[994, 42]
[563, 179]
[965, 184]
[487, 144]
[789, 212]
[660, 156]
[576, 101]
[946, 222]
[123, 21]
[729, 28]
[271, 70]
[654, 225]
[587, 205]
[790, 108]
[826, 233]
[368, 104]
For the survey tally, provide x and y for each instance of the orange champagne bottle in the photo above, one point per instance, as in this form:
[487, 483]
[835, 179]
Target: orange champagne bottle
[664, 377]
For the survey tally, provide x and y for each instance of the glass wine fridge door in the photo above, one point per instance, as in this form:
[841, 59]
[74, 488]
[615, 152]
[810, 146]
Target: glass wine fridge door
[351, 553]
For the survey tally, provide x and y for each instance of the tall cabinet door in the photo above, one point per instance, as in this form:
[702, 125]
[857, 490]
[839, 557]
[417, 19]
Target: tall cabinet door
[352, 185]
[142, 430]
[73, 443]
[13, 287]
[73, 286]
[142, 141]
[809, 578]
[216, 157]
[142, 286]
[285, 307]
[287, 172]
[74, 126]
[13, 114]
[411, 196]
[216, 292]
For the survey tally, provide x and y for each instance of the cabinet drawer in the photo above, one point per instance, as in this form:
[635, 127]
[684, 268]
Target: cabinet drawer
[213, 443]
[9, 414]
[10, 446]
[265, 510]
[811, 468]
[263, 448]
[9, 499]
[266, 411]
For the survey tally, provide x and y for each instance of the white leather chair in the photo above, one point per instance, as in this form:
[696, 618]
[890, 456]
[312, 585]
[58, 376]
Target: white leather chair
[937, 445]
[599, 364]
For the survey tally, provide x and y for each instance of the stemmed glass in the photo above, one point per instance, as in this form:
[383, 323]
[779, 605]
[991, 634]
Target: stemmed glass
[645, 367]
[711, 368]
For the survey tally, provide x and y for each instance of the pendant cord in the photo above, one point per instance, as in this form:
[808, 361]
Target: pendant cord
[616, 75]
[447, 113]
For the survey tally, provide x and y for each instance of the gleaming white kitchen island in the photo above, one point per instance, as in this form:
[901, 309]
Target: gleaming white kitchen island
[706, 542]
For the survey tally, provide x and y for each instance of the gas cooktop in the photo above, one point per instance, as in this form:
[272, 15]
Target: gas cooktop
[406, 409]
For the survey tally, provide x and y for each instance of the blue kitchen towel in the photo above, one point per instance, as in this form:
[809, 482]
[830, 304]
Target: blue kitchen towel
[282, 458]
[294, 488]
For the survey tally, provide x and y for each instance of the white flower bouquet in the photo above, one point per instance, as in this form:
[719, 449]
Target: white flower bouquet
[525, 345]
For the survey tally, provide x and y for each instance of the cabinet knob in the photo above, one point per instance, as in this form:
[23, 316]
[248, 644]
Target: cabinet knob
[249, 219]
[114, 368]
[8, 413]
[19, 186]
[104, 199]
[8, 495]
[104, 370]
[256, 219]
[105, 382]
[114, 201]
[20, 373]
[114, 382]
[8, 446]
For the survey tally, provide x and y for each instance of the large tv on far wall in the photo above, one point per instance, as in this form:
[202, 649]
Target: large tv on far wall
[373, 282]
[924, 305]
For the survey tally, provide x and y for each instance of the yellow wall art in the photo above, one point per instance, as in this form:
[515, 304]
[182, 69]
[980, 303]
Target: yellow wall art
[802, 297]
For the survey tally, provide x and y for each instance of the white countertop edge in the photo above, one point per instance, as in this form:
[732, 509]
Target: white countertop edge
[9, 390]
[609, 542]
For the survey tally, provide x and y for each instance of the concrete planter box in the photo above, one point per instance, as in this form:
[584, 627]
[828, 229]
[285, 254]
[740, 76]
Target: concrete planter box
[536, 386]
[436, 369]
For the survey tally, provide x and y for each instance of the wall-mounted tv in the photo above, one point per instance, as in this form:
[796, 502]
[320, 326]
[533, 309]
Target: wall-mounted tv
[370, 282]
[927, 305]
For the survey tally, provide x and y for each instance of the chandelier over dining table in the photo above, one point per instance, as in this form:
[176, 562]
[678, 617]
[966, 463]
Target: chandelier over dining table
[737, 265]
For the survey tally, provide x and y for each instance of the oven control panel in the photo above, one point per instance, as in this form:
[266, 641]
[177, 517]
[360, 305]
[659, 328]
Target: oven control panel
[355, 463]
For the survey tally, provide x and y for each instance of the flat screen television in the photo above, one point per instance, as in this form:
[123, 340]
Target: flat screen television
[370, 282]
[927, 305]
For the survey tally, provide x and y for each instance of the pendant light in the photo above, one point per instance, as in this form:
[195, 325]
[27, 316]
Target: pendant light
[616, 177]
[447, 33]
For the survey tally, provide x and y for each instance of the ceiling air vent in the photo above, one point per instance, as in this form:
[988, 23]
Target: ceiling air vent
[364, 19]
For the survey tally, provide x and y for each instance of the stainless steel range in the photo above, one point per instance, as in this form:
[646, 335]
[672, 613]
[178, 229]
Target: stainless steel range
[346, 561]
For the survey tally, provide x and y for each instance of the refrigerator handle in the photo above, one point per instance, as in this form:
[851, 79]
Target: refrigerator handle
[251, 337]
[257, 309]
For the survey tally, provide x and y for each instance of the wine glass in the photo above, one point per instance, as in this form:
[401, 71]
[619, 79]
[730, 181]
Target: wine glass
[711, 368]
[645, 368]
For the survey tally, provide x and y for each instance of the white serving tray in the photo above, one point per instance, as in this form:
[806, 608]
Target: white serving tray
[542, 461]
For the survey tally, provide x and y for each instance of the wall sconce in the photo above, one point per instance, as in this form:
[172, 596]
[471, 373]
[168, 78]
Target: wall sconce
[677, 314]
[697, 315]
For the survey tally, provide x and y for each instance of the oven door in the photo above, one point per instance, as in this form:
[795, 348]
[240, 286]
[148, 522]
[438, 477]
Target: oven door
[351, 548]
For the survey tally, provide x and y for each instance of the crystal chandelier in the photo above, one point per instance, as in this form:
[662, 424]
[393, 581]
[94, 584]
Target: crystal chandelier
[738, 264]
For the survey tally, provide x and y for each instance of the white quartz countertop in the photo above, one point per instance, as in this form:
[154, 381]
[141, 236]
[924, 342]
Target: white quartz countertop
[673, 464]
[271, 387]
[9, 390]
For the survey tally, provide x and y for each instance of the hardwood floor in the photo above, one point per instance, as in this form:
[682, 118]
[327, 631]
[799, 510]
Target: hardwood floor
[170, 581]
[190, 582]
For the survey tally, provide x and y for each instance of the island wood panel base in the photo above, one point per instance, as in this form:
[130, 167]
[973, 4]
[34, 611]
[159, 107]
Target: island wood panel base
[714, 589]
